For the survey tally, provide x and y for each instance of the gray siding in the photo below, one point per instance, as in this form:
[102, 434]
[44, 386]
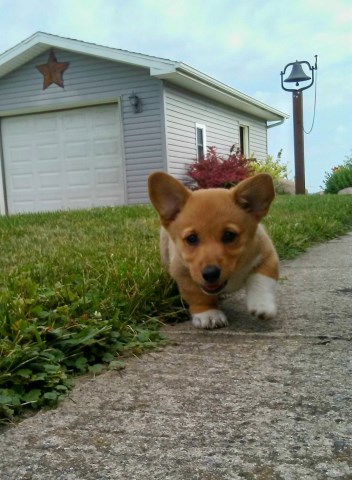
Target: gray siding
[184, 110]
[86, 81]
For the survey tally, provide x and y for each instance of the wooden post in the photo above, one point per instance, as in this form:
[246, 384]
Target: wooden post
[297, 98]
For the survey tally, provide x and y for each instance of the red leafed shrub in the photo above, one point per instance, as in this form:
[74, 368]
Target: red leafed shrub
[215, 171]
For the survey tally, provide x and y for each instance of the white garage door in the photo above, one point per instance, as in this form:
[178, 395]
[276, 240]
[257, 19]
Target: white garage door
[62, 160]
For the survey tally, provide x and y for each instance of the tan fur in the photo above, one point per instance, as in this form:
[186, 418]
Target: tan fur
[208, 214]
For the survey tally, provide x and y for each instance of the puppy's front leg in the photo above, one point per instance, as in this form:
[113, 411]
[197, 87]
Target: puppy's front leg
[260, 290]
[212, 318]
[203, 308]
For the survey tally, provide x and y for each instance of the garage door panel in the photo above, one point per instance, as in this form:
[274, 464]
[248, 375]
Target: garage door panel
[22, 127]
[45, 123]
[60, 160]
[24, 206]
[76, 124]
[76, 165]
[104, 118]
[21, 168]
[107, 177]
[50, 181]
[47, 152]
[20, 153]
[52, 165]
[22, 183]
[79, 179]
[76, 150]
[76, 119]
[105, 147]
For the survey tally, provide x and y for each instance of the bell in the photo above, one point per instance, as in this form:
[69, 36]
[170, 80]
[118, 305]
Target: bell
[297, 75]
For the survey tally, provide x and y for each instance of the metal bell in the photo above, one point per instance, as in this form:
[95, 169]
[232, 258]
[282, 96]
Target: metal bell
[297, 74]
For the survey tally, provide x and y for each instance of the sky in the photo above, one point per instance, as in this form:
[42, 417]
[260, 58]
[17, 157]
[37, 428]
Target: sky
[244, 44]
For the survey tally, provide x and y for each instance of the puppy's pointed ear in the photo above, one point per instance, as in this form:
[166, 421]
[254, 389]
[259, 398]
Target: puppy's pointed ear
[255, 194]
[167, 195]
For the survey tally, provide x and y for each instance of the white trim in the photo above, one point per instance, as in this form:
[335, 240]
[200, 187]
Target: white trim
[60, 106]
[246, 149]
[203, 128]
[165, 132]
[3, 209]
[211, 88]
[41, 42]
[205, 79]
[275, 124]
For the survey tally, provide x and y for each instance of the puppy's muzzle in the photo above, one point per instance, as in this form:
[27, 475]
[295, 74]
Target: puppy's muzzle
[211, 275]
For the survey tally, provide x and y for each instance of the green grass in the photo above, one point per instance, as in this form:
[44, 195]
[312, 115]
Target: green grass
[298, 222]
[79, 290]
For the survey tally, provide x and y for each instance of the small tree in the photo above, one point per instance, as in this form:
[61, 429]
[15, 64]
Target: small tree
[216, 171]
[274, 167]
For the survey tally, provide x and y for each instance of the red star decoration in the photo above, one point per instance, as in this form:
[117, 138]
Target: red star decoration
[53, 71]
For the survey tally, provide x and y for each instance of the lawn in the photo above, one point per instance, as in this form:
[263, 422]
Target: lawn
[79, 290]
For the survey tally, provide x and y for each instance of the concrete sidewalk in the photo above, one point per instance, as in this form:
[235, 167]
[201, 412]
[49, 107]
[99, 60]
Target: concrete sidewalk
[252, 401]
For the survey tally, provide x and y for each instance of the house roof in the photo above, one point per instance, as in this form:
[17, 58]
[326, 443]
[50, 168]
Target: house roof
[177, 73]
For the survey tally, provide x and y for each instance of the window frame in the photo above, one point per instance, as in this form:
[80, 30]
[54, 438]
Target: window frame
[244, 140]
[202, 146]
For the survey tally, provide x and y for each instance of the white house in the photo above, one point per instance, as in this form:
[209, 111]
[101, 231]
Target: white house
[83, 125]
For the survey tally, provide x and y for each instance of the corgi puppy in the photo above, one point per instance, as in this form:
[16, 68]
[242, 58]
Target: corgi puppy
[212, 243]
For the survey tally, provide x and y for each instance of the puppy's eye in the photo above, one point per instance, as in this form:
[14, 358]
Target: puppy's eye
[228, 237]
[192, 239]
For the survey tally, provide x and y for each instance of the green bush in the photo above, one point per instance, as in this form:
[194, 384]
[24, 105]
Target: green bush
[340, 177]
[274, 167]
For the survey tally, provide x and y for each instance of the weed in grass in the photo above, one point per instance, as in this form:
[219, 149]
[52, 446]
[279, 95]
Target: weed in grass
[80, 289]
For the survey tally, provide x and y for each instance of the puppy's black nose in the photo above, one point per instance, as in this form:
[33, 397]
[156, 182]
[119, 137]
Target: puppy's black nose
[211, 273]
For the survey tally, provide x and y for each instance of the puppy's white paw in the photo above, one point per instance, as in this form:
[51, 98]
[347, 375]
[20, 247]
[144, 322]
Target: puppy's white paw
[265, 310]
[261, 296]
[209, 319]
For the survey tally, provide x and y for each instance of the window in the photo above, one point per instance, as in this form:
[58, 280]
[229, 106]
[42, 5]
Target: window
[201, 141]
[244, 140]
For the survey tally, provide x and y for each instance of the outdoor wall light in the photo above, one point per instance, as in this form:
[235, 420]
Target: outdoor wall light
[297, 76]
[135, 102]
